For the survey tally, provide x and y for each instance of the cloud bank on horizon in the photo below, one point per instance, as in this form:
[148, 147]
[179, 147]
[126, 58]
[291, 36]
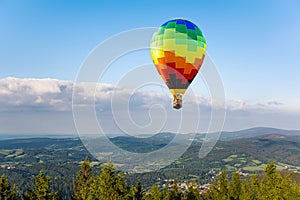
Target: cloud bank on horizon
[29, 105]
[27, 94]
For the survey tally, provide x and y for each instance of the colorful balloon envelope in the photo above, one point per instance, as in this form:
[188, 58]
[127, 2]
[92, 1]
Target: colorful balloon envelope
[178, 50]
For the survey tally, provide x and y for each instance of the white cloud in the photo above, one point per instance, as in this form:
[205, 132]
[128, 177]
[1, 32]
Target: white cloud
[25, 101]
[237, 104]
[56, 95]
[244, 105]
[40, 94]
[275, 103]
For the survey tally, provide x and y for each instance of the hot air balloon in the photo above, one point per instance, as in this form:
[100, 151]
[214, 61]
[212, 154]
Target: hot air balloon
[178, 50]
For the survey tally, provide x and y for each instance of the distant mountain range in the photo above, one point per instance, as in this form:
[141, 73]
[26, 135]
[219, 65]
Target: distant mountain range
[257, 131]
[225, 135]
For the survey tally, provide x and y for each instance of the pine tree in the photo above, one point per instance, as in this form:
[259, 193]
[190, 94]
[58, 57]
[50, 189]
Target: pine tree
[41, 189]
[83, 182]
[219, 190]
[7, 192]
[271, 188]
[274, 186]
[109, 185]
[290, 190]
[193, 193]
[246, 191]
[256, 186]
[154, 194]
[175, 193]
[235, 187]
[165, 194]
[223, 185]
[137, 191]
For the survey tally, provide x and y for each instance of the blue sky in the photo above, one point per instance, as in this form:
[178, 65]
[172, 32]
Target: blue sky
[255, 44]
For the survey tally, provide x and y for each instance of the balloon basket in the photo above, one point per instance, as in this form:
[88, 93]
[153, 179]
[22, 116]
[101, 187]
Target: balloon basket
[177, 102]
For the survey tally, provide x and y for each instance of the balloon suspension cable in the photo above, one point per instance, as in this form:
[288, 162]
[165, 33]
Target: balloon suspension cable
[177, 102]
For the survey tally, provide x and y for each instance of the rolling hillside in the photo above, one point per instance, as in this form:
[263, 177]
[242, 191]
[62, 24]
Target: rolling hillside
[61, 157]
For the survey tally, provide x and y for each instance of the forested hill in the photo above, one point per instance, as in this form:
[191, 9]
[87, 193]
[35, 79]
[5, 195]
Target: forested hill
[61, 158]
